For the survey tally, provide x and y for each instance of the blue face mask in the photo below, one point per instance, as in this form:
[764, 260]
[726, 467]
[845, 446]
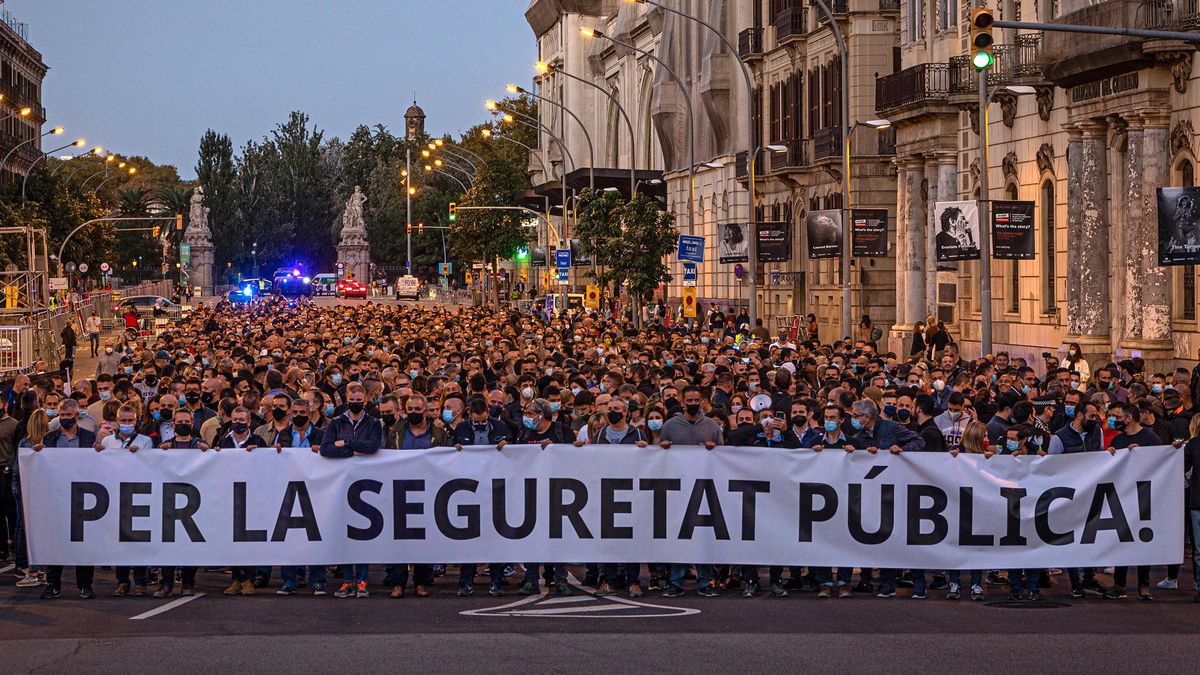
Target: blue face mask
[414, 373]
[889, 410]
[654, 425]
[1024, 389]
[447, 416]
[1156, 388]
[831, 426]
[182, 400]
[703, 340]
[575, 391]
[856, 424]
[336, 379]
[51, 413]
[156, 416]
[528, 422]
[126, 429]
[1011, 445]
[329, 411]
[128, 370]
[669, 362]
[105, 395]
[555, 406]
[903, 415]
[1070, 410]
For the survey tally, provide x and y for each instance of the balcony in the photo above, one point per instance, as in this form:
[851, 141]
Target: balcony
[1073, 59]
[827, 143]
[1178, 15]
[750, 43]
[1017, 63]
[835, 6]
[924, 83]
[796, 156]
[791, 24]
[889, 5]
[741, 167]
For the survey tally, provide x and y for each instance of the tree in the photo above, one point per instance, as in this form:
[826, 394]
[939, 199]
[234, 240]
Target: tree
[648, 236]
[598, 228]
[217, 175]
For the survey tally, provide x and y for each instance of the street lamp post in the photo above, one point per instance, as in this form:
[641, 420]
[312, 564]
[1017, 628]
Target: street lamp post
[450, 176]
[691, 126]
[488, 134]
[545, 68]
[434, 147]
[77, 144]
[53, 132]
[408, 193]
[96, 190]
[512, 88]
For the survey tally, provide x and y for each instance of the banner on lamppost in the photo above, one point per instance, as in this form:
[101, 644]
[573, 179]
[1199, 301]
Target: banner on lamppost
[734, 245]
[1012, 230]
[824, 229]
[868, 233]
[774, 242]
[957, 231]
[1179, 226]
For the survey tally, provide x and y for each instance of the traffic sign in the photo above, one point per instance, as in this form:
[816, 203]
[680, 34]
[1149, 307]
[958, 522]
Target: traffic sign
[564, 276]
[691, 248]
[689, 274]
[592, 298]
[446, 269]
[58, 283]
[739, 271]
[562, 258]
[341, 266]
[103, 267]
[70, 267]
[83, 268]
[689, 303]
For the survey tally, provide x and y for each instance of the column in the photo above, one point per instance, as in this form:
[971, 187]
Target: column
[901, 247]
[913, 263]
[1156, 282]
[947, 190]
[1090, 178]
[1074, 226]
[1131, 267]
[933, 196]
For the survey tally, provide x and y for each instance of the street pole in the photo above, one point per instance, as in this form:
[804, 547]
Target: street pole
[624, 115]
[985, 234]
[583, 127]
[408, 209]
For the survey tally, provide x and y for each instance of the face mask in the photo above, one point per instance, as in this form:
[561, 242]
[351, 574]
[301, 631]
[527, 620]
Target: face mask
[603, 387]
[51, 413]
[301, 421]
[1072, 353]
[903, 415]
[856, 424]
[1109, 384]
[487, 343]
[1089, 426]
[1114, 424]
[735, 408]
[752, 386]
[599, 350]
[1070, 410]
[1074, 385]
[669, 362]
[527, 392]
[799, 420]
[889, 410]
[108, 350]
[745, 359]
[1157, 389]
[955, 416]
[128, 370]
[347, 340]
[329, 411]
[184, 430]
[67, 423]
[1011, 445]
[939, 385]
[831, 427]
[447, 416]
[206, 362]
[357, 407]
[182, 400]
[703, 340]
[156, 416]
[239, 427]
[528, 422]
[336, 379]
[654, 425]
[278, 414]
[414, 373]
[615, 417]
[575, 391]
[105, 395]
[388, 419]
[555, 406]
[191, 397]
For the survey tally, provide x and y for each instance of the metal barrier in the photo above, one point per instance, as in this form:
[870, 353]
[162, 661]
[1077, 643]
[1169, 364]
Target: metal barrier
[16, 348]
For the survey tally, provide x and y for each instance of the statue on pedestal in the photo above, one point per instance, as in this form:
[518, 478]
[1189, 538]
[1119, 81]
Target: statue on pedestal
[198, 238]
[353, 251]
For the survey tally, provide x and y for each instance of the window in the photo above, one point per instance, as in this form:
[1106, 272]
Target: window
[1049, 271]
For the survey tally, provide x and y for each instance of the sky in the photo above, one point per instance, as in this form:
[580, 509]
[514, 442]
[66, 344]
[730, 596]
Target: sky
[149, 77]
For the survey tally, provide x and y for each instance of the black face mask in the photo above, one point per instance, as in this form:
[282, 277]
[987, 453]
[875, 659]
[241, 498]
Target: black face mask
[388, 418]
[1089, 426]
[692, 409]
[239, 427]
[278, 414]
[355, 408]
[615, 417]
[300, 421]
[207, 398]
[151, 380]
[494, 410]
[191, 397]
[184, 430]
[416, 419]
[66, 423]
[799, 420]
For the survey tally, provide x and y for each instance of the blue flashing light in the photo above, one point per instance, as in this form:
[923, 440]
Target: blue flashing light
[248, 291]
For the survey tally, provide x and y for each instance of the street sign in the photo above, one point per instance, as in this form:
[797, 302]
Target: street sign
[446, 269]
[689, 274]
[689, 303]
[103, 267]
[58, 283]
[564, 276]
[691, 248]
[562, 258]
[341, 266]
[592, 298]
[70, 267]
[739, 271]
[83, 268]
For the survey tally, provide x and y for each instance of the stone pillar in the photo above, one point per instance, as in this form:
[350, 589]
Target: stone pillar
[200, 269]
[947, 190]
[1131, 267]
[933, 196]
[899, 335]
[357, 260]
[913, 264]
[1074, 227]
[1088, 198]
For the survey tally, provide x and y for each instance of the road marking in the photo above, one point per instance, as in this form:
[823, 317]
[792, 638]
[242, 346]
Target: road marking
[606, 607]
[167, 607]
[573, 598]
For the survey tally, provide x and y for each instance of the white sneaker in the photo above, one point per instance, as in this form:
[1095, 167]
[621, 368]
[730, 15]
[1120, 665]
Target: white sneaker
[30, 580]
[1166, 584]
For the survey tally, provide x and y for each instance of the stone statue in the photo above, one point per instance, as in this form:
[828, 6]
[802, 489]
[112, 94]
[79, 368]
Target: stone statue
[354, 230]
[197, 228]
[198, 238]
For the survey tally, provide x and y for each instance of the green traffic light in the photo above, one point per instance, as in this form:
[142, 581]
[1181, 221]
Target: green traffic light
[982, 60]
[522, 254]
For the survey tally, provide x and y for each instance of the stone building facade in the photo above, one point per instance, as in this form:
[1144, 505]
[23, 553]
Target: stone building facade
[21, 73]
[1097, 124]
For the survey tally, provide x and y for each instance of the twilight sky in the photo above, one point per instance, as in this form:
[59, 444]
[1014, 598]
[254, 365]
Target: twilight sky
[148, 77]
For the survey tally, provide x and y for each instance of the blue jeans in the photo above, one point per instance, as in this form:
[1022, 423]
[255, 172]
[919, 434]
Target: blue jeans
[824, 575]
[168, 577]
[1194, 518]
[704, 574]
[955, 576]
[354, 573]
[560, 572]
[1030, 580]
[139, 575]
[466, 573]
[316, 576]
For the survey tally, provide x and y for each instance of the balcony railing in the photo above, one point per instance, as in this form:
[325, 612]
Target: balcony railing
[1018, 61]
[827, 143]
[1180, 15]
[927, 82]
[741, 168]
[836, 6]
[889, 5]
[1029, 54]
[750, 42]
[796, 156]
[791, 23]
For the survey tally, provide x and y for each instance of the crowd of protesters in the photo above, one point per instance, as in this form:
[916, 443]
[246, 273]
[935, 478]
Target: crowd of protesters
[347, 381]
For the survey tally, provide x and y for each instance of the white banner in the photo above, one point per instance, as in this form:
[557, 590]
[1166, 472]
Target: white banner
[604, 504]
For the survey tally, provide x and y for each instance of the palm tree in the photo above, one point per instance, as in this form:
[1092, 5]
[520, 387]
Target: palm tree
[133, 201]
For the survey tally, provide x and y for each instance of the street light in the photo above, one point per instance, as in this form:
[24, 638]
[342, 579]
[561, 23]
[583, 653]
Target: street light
[536, 125]
[691, 127]
[96, 191]
[53, 132]
[514, 89]
[94, 152]
[487, 133]
[545, 69]
[77, 144]
[103, 168]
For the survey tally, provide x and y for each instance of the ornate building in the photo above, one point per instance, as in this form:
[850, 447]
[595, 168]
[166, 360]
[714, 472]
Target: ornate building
[1095, 126]
[21, 74]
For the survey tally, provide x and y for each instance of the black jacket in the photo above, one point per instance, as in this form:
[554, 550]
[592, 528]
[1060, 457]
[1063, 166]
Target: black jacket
[87, 438]
[497, 430]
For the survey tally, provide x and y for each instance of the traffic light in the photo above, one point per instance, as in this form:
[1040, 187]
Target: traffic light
[453, 212]
[155, 231]
[522, 254]
[421, 228]
[410, 228]
[179, 221]
[981, 38]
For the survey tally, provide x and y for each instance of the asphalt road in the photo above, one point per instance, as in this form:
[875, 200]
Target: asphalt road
[267, 633]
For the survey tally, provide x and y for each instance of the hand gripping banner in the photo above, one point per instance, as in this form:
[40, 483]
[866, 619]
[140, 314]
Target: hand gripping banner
[604, 503]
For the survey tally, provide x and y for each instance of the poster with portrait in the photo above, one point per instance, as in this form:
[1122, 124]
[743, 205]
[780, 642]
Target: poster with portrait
[957, 226]
[824, 230]
[1179, 226]
[1012, 230]
[868, 233]
[733, 243]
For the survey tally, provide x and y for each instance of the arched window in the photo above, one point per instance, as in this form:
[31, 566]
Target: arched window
[1049, 271]
[614, 130]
